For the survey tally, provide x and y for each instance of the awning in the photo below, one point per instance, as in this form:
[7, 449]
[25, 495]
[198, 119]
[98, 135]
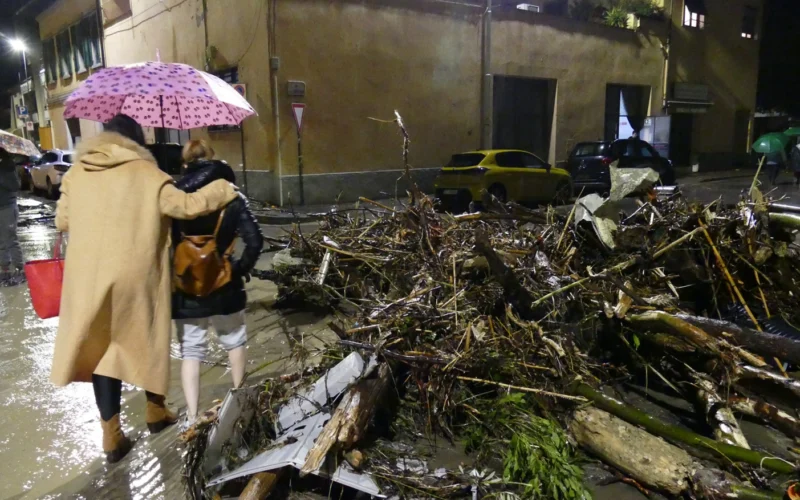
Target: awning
[696, 6]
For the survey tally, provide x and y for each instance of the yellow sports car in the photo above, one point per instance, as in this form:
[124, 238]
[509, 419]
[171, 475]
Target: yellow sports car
[505, 174]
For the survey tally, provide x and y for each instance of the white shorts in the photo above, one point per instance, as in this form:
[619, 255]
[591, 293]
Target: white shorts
[193, 334]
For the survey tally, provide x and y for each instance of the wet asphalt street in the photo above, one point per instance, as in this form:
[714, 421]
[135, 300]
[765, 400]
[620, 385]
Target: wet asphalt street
[50, 438]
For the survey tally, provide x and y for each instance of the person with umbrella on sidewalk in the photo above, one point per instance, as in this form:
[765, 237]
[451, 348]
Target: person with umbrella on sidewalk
[795, 163]
[118, 206]
[773, 147]
[10, 251]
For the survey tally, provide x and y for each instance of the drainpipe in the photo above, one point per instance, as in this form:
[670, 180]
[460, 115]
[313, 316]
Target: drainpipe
[274, 64]
[486, 78]
[667, 54]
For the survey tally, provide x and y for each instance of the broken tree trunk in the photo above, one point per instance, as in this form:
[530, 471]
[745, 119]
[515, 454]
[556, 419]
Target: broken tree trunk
[647, 458]
[718, 415]
[652, 461]
[763, 343]
[350, 419]
[674, 433]
[261, 485]
[768, 413]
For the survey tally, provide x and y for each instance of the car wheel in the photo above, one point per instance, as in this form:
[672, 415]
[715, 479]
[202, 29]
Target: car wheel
[562, 194]
[52, 191]
[498, 191]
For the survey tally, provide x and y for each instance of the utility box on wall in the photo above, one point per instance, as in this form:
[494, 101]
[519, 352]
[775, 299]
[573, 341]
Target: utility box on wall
[296, 88]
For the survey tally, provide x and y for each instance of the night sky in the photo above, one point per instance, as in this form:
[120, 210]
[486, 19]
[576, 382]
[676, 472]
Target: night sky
[779, 76]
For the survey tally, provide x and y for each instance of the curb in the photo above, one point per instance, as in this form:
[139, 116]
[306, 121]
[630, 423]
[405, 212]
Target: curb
[285, 219]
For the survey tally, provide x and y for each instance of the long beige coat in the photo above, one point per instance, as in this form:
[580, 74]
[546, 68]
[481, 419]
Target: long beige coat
[115, 306]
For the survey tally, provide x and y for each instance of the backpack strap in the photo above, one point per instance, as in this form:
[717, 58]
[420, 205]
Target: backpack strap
[219, 223]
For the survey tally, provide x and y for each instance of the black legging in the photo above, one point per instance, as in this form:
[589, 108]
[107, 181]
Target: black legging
[108, 395]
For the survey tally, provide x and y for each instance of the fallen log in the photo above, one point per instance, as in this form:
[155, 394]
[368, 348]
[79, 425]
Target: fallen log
[653, 462]
[647, 458]
[350, 419]
[765, 344]
[696, 442]
[261, 485]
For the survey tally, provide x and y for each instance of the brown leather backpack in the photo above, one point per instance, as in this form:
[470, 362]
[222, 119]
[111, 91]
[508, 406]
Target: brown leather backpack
[198, 267]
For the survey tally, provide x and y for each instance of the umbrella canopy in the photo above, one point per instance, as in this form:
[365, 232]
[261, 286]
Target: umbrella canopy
[15, 144]
[792, 131]
[157, 94]
[771, 143]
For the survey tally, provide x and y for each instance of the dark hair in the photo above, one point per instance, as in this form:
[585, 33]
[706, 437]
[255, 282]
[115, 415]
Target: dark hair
[126, 126]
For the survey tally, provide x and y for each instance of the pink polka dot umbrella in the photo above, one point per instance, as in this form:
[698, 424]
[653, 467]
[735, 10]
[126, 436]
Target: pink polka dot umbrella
[156, 94]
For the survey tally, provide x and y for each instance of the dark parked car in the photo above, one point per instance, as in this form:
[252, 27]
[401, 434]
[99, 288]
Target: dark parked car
[589, 161]
[168, 156]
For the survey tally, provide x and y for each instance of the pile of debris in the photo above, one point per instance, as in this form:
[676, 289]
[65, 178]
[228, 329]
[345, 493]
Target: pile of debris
[504, 334]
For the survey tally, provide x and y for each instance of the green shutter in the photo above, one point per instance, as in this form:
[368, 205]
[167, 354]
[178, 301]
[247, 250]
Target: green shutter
[49, 56]
[94, 40]
[78, 52]
[64, 54]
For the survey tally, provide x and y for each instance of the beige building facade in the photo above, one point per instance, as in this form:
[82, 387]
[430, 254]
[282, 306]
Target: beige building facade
[462, 78]
[71, 51]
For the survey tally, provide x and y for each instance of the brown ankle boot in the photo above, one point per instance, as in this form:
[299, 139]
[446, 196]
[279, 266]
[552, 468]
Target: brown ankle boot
[158, 417]
[115, 444]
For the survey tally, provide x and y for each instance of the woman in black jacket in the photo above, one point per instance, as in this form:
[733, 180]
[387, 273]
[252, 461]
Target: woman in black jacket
[224, 307]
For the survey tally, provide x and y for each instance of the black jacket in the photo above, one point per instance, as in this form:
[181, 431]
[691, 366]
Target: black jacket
[237, 221]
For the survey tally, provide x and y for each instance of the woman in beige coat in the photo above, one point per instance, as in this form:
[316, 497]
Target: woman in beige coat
[115, 308]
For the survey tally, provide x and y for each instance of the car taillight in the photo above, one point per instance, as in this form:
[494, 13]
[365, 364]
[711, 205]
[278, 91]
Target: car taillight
[607, 161]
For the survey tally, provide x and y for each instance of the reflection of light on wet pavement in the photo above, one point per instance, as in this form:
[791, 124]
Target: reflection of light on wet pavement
[49, 434]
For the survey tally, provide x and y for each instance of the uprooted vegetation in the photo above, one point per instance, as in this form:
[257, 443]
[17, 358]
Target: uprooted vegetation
[505, 334]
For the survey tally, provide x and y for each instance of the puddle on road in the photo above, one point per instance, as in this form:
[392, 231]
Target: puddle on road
[51, 439]
[48, 434]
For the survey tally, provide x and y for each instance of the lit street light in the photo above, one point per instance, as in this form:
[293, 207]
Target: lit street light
[18, 45]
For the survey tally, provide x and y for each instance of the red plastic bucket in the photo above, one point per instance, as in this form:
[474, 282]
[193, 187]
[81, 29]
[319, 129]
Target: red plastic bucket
[45, 279]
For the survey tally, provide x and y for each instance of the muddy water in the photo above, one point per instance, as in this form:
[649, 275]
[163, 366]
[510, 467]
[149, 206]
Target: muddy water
[50, 438]
[48, 434]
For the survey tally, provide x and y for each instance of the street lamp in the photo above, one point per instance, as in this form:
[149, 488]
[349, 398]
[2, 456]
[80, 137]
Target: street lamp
[18, 45]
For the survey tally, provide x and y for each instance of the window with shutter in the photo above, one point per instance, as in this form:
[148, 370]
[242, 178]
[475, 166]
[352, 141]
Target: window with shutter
[86, 44]
[79, 55]
[64, 48]
[49, 59]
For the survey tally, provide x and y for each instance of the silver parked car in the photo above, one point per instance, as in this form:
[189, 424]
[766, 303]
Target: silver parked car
[47, 173]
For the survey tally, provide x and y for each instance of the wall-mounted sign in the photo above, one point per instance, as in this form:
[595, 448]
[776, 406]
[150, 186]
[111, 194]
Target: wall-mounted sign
[241, 88]
[298, 109]
[22, 110]
[690, 92]
[296, 88]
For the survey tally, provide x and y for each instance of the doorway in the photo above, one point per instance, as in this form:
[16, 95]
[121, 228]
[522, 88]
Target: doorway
[681, 139]
[523, 114]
